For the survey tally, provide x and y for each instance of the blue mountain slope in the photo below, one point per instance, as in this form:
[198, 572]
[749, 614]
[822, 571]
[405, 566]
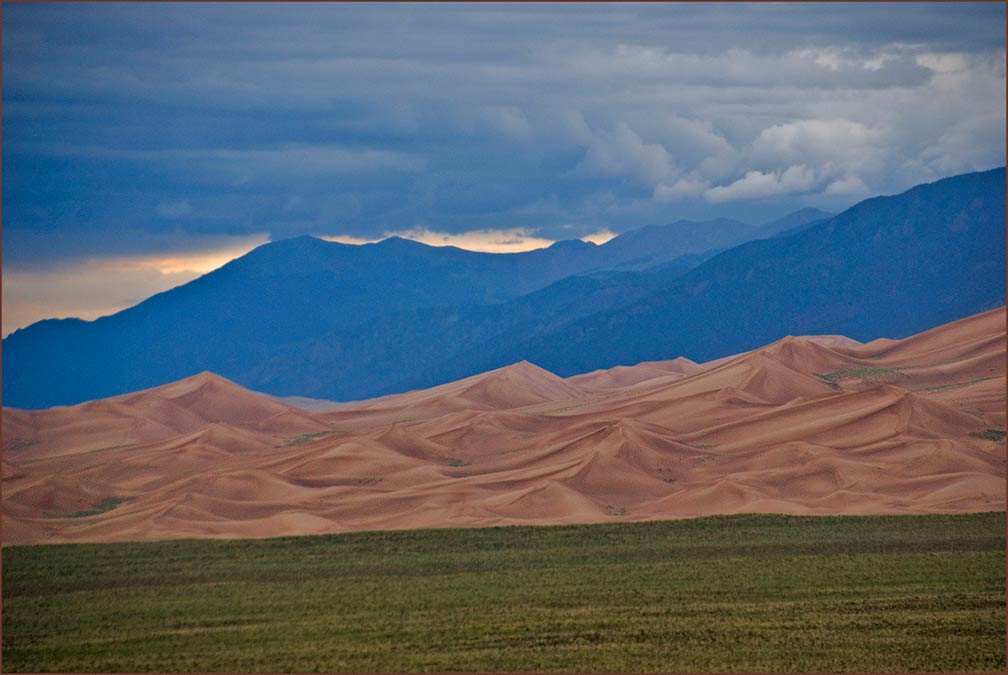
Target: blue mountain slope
[234, 319]
[425, 347]
[791, 223]
[889, 266]
[314, 318]
[650, 245]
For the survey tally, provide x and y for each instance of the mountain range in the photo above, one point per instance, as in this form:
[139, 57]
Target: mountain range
[314, 318]
[284, 297]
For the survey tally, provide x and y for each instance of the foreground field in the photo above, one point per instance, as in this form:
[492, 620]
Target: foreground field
[734, 593]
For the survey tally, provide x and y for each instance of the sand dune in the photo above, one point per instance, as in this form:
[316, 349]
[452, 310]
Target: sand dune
[162, 413]
[624, 376]
[805, 425]
[518, 385]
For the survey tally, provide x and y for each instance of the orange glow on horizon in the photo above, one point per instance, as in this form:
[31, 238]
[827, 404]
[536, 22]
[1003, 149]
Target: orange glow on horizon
[516, 240]
[199, 262]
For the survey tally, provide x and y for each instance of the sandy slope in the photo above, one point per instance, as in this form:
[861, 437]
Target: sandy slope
[624, 376]
[819, 425]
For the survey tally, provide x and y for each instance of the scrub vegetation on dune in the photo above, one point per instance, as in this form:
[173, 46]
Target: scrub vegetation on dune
[719, 594]
[18, 444]
[302, 439]
[863, 374]
[996, 435]
[103, 506]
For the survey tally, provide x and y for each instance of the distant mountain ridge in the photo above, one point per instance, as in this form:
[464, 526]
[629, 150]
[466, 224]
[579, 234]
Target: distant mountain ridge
[651, 244]
[801, 219]
[292, 292]
[888, 266]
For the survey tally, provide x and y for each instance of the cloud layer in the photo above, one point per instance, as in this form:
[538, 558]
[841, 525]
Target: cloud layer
[151, 129]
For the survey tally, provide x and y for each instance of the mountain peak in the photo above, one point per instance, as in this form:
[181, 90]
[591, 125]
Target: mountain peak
[571, 244]
[301, 241]
[395, 241]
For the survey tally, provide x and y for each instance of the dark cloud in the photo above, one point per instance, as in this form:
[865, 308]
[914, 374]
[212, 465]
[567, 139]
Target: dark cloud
[130, 126]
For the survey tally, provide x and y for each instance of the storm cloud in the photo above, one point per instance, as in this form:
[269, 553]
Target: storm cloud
[145, 129]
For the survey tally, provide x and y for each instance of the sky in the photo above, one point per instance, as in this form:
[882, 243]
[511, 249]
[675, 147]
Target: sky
[145, 144]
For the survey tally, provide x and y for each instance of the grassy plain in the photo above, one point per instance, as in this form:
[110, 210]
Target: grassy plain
[732, 593]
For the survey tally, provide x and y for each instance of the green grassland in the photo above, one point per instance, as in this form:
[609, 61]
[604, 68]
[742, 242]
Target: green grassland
[732, 593]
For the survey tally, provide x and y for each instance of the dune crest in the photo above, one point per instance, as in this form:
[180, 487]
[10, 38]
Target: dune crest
[624, 376]
[805, 425]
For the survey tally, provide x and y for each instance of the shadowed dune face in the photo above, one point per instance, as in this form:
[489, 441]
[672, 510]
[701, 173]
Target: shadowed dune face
[806, 425]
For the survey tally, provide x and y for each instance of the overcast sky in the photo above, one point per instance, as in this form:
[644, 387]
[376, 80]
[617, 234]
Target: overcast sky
[144, 144]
